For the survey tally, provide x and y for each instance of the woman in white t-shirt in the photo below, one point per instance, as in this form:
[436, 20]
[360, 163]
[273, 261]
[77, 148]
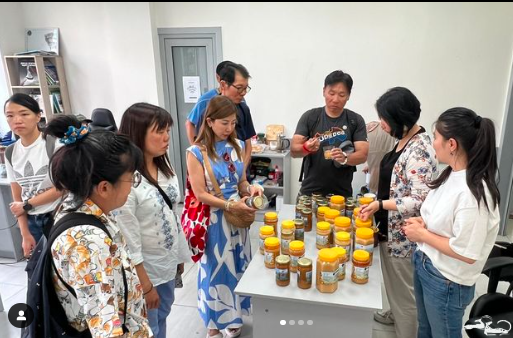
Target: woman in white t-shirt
[458, 224]
[155, 238]
[34, 195]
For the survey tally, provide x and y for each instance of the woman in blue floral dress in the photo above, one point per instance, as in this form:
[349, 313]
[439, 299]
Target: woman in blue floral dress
[228, 251]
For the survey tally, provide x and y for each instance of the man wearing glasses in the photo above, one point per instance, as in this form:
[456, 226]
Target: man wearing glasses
[233, 81]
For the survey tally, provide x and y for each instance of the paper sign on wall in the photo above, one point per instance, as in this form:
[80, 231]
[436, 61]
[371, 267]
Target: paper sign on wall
[191, 89]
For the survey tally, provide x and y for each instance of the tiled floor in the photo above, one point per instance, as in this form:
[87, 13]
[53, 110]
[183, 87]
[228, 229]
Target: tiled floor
[184, 321]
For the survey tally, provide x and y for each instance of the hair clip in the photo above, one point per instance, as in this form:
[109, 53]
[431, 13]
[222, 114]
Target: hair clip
[73, 134]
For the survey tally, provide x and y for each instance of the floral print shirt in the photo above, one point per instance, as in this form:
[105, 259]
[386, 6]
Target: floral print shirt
[90, 262]
[416, 167]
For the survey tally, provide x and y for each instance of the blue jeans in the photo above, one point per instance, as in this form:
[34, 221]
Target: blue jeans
[38, 225]
[157, 317]
[441, 303]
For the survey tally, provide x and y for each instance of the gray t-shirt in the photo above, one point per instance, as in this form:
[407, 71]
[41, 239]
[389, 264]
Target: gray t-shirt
[321, 175]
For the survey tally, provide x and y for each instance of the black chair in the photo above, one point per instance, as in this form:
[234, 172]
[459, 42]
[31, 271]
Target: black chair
[492, 313]
[102, 118]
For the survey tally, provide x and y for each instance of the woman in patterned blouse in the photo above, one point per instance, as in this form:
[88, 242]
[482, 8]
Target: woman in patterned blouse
[402, 187]
[96, 169]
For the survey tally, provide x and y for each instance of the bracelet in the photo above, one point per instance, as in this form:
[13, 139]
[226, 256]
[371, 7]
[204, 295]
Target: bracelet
[306, 149]
[345, 161]
[249, 189]
[227, 205]
[145, 293]
[380, 203]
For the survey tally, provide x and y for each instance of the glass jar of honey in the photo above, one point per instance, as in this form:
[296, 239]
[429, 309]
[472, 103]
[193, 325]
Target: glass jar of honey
[299, 208]
[307, 218]
[282, 270]
[296, 252]
[287, 235]
[327, 271]
[361, 262]
[271, 251]
[323, 235]
[364, 240]
[320, 213]
[304, 273]
[265, 232]
[342, 223]
[349, 209]
[343, 240]
[299, 226]
[271, 218]
[342, 260]
[337, 202]
[365, 201]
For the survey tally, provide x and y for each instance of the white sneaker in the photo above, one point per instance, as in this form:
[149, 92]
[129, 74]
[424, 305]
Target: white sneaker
[233, 332]
[384, 317]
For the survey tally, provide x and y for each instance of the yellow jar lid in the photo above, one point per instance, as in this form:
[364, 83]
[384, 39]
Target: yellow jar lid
[342, 221]
[356, 212]
[327, 255]
[296, 245]
[287, 224]
[361, 255]
[267, 230]
[271, 215]
[365, 233]
[362, 224]
[342, 236]
[272, 242]
[340, 252]
[337, 199]
[323, 226]
[283, 259]
[331, 213]
[365, 200]
[322, 210]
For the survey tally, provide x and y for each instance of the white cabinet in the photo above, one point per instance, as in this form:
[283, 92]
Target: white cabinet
[282, 160]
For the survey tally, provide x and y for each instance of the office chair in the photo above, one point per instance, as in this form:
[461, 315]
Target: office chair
[492, 313]
[102, 118]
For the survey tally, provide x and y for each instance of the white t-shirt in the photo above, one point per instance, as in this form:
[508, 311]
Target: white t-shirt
[30, 170]
[451, 211]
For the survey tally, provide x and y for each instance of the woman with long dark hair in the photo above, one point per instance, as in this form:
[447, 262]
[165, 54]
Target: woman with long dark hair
[149, 223]
[459, 222]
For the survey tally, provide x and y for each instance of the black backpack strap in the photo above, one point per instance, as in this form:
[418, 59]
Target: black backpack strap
[8, 153]
[76, 219]
[50, 145]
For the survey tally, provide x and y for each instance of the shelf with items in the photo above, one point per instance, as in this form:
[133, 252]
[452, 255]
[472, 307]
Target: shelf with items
[282, 191]
[41, 77]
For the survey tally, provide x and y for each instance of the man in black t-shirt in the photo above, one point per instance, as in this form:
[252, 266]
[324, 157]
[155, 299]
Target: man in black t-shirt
[332, 140]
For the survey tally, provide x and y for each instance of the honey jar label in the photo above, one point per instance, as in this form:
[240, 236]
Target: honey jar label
[329, 277]
[299, 234]
[285, 245]
[322, 239]
[282, 274]
[269, 258]
[309, 277]
[294, 259]
[368, 248]
[342, 269]
[361, 273]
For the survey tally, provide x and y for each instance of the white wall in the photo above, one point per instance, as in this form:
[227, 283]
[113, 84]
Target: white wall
[12, 39]
[456, 54]
[107, 51]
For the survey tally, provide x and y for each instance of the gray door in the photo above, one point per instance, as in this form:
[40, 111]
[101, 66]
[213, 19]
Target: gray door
[185, 56]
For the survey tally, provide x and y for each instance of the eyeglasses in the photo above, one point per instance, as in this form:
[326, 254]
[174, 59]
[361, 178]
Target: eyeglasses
[136, 179]
[241, 90]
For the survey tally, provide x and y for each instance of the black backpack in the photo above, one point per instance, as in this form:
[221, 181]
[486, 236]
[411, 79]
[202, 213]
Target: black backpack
[49, 316]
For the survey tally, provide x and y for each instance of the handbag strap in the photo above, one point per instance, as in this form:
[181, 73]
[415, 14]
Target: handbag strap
[210, 172]
[164, 195]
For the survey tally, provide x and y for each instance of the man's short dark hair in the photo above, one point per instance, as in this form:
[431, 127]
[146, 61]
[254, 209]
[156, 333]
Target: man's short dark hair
[221, 65]
[339, 76]
[229, 71]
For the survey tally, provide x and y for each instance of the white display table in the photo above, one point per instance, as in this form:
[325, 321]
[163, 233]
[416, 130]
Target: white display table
[346, 313]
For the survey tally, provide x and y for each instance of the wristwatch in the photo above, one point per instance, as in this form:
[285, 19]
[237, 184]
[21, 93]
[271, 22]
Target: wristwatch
[27, 206]
[380, 203]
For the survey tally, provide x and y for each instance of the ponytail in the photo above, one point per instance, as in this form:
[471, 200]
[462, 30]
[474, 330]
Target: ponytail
[476, 138]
